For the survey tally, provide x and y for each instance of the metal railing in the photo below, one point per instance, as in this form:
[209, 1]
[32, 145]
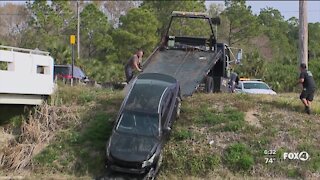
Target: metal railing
[31, 51]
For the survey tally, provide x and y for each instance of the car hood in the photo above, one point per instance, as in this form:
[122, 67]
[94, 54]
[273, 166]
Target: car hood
[132, 148]
[259, 91]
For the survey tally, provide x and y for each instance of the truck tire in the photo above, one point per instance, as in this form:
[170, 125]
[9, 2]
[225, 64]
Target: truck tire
[209, 84]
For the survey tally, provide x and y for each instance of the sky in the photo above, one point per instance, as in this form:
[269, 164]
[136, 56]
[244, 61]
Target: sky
[287, 8]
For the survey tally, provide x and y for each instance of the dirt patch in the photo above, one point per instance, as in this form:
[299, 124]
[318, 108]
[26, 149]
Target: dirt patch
[251, 118]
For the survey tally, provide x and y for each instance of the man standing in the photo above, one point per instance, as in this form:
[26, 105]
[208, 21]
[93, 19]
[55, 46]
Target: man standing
[234, 81]
[133, 63]
[309, 87]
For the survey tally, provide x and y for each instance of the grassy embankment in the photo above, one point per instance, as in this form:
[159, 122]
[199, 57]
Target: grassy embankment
[217, 136]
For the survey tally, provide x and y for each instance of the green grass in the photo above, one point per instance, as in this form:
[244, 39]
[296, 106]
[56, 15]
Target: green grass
[80, 149]
[212, 136]
[243, 145]
[238, 157]
[182, 134]
[181, 160]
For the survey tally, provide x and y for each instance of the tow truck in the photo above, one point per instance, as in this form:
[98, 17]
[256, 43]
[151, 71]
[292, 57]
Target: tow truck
[192, 58]
[190, 53]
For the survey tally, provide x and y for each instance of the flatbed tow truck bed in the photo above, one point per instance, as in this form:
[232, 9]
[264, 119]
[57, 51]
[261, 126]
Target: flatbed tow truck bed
[189, 67]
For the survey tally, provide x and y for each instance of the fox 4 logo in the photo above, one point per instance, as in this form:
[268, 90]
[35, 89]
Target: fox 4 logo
[302, 156]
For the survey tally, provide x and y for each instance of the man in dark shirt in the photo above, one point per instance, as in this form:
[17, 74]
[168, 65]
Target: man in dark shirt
[309, 87]
[133, 63]
[233, 82]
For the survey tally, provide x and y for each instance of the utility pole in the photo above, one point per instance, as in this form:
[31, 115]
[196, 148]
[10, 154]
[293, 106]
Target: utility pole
[78, 30]
[303, 32]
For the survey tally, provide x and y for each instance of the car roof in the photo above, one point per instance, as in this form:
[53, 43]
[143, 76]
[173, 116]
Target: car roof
[253, 82]
[67, 65]
[157, 76]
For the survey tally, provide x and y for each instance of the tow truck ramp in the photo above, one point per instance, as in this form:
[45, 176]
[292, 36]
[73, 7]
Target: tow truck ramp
[189, 67]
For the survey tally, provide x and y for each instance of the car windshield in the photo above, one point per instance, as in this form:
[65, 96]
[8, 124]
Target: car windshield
[61, 70]
[253, 85]
[138, 123]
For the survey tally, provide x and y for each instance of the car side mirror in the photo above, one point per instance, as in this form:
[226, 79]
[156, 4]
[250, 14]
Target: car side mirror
[215, 21]
[239, 56]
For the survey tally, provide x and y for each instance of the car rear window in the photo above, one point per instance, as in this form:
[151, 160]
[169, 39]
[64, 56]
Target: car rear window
[61, 70]
[145, 96]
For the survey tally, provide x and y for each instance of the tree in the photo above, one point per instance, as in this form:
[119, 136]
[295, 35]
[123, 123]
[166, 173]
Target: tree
[313, 40]
[253, 65]
[277, 29]
[137, 30]
[215, 10]
[242, 24]
[48, 24]
[115, 9]
[162, 10]
[94, 31]
[13, 22]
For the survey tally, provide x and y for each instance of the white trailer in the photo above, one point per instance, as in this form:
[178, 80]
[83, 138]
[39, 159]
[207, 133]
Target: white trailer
[26, 76]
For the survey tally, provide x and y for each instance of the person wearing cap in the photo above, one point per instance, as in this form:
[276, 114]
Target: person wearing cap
[309, 87]
[133, 63]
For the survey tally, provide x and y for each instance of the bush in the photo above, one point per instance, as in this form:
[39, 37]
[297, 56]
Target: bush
[282, 77]
[314, 67]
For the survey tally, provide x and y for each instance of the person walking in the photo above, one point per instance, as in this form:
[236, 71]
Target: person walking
[309, 87]
[133, 64]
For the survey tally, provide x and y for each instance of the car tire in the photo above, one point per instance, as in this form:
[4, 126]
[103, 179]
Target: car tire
[209, 85]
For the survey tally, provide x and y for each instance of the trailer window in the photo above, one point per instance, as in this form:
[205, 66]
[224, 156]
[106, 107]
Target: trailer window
[42, 69]
[3, 66]
[6, 66]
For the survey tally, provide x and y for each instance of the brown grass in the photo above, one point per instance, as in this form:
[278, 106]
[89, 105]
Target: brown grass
[36, 132]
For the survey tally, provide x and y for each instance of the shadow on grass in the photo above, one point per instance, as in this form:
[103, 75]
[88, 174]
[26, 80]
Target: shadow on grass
[12, 112]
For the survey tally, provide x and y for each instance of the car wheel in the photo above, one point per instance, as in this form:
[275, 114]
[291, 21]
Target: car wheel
[178, 108]
[209, 85]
